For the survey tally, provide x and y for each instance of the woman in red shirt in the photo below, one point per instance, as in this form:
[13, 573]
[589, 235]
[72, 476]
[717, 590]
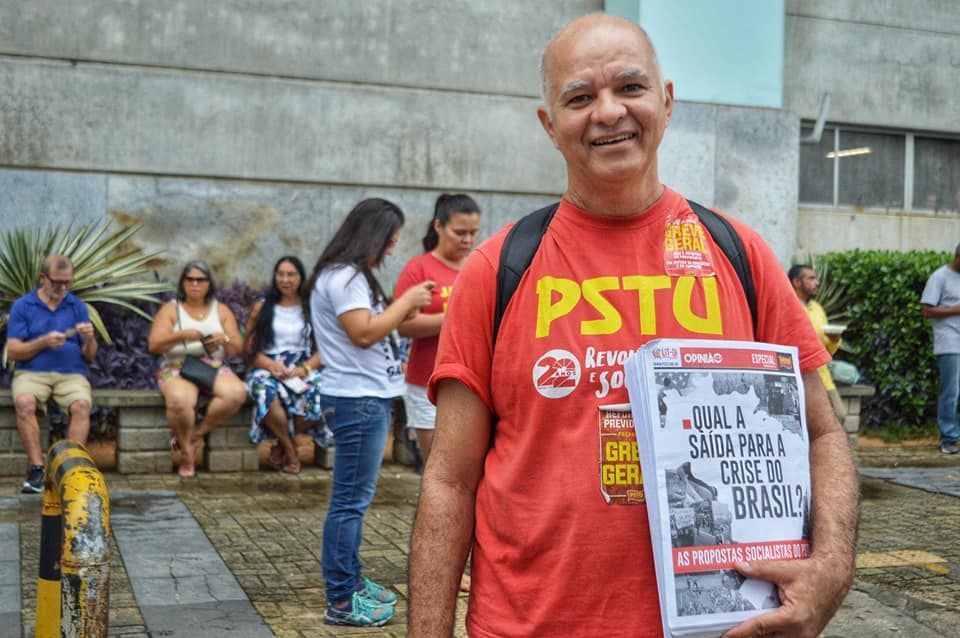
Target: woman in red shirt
[450, 237]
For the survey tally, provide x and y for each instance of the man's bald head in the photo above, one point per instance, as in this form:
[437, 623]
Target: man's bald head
[52, 264]
[580, 26]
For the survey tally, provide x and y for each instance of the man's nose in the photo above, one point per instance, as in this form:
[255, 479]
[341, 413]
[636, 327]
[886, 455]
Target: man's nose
[608, 109]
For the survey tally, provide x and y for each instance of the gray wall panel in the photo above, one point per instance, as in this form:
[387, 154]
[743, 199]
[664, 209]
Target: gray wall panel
[939, 16]
[488, 46]
[877, 75]
[93, 117]
[242, 228]
[29, 196]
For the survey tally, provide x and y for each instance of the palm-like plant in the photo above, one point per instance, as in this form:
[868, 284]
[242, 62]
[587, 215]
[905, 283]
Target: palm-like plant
[102, 270]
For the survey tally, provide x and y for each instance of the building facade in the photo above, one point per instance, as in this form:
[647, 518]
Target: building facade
[239, 131]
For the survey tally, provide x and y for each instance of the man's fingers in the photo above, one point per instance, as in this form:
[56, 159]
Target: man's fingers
[772, 571]
[762, 625]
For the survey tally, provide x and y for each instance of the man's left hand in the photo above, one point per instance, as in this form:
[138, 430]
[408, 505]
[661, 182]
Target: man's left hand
[85, 330]
[810, 592]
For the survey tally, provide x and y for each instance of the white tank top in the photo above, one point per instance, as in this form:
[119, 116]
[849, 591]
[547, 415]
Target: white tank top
[209, 324]
[288, 331]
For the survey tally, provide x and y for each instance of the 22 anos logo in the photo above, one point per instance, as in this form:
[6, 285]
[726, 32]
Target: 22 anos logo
[556, 374]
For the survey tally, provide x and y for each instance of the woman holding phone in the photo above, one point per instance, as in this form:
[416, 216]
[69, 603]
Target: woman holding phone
[194, 324]
[353, 323]
[284, 380]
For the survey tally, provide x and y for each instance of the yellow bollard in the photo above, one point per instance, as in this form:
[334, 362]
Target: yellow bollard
[73, 590]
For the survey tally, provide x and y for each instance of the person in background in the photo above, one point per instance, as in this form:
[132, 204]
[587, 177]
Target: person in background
[806, 285]
[940, 302]
[195, 324]
[450, 237]
[353, 324]
[284, 379]
[50, 339]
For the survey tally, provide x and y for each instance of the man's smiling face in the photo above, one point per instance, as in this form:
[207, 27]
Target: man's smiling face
[607, 104]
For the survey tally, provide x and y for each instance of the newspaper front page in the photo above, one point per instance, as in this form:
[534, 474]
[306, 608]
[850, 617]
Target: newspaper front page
[723, 445]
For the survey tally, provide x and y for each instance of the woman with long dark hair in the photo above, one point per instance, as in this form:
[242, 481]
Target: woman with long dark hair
[284, 380]
[353, 324]
[450, 237]
[194, 324]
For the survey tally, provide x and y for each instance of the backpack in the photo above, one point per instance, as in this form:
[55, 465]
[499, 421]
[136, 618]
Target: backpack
[523, 241]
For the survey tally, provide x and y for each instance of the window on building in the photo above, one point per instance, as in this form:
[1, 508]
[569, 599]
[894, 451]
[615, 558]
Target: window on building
[870, 171]
[859, 168]
[936, 175]
[816, 169]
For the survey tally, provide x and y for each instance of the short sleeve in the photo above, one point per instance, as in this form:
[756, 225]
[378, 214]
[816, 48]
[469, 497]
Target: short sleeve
[17, 323]
[932, 291]
[348, 290]
[781, 318]
[465, 352]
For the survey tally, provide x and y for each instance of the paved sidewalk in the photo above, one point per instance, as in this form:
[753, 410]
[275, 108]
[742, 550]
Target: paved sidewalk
[239, 554]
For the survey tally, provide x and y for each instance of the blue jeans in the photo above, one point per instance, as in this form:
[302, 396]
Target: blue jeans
[949, 365]
[360, 434]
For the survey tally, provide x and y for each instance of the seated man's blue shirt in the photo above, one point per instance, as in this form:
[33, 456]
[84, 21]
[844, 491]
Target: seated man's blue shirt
[31, 318]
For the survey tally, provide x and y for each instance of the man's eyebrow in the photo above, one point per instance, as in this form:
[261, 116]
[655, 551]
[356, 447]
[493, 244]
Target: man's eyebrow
[576, 85]
[632, 74]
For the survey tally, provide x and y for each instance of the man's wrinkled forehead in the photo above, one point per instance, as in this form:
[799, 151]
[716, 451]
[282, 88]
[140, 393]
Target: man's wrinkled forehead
[565, 42]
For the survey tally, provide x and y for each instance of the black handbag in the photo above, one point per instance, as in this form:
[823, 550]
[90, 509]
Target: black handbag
[198, 372]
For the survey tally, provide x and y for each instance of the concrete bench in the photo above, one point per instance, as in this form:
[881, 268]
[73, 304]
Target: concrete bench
[143, 436]
[853, 396]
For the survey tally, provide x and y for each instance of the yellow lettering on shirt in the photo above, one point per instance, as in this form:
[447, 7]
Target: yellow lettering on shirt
[557, 297]
[611, 321]
[547, 311]
[645, 285]
[710, 323]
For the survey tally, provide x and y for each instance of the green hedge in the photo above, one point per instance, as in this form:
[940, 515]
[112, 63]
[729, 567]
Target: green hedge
[892, 342]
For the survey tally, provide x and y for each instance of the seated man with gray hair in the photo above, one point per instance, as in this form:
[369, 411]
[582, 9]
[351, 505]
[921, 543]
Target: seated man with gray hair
[50, 337]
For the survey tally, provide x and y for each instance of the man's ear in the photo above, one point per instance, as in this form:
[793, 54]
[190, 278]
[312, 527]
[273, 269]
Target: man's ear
[547, 124]
[668, 98]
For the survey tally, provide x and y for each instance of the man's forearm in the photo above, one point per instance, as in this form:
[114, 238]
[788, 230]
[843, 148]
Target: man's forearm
[90, 349]
[441, 541]
[18, 350]
[835, 498]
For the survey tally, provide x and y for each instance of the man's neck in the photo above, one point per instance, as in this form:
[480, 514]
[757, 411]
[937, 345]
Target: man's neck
[615, 199]
[52, 304]
[955, 265]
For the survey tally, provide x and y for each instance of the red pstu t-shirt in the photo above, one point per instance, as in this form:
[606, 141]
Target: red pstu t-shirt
[552, 557]
[423, 350]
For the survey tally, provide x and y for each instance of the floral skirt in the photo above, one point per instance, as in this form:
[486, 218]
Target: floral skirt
[264, 388]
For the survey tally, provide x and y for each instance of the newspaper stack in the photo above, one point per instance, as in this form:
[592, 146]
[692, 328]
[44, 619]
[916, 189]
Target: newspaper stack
[722, 437]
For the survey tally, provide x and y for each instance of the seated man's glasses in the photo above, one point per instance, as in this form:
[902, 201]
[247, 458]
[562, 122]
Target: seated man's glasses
[196, 280]
[59, 283]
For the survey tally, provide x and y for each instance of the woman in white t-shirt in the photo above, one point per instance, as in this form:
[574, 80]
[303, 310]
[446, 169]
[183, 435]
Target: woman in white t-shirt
[353, 325]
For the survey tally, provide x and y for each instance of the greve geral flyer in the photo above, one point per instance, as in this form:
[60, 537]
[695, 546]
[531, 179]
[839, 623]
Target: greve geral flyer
[722, 438]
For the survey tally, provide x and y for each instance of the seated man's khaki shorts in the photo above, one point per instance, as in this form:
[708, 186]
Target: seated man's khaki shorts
[64, 388]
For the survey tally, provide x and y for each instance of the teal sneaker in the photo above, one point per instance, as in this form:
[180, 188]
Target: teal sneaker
[377, 593]
[361, 612]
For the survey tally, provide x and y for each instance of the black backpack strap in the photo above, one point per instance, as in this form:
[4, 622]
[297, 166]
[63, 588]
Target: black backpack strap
[519, 247]
[729, 242]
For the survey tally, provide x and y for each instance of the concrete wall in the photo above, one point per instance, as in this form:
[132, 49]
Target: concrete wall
[886, 62]
[822, 231]
[239, 130]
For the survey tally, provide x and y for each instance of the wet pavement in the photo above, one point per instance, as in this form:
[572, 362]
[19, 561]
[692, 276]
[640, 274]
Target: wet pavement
[239, 554]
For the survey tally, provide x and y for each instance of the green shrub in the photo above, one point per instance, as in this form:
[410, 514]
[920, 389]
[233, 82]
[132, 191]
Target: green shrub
[889, 339]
